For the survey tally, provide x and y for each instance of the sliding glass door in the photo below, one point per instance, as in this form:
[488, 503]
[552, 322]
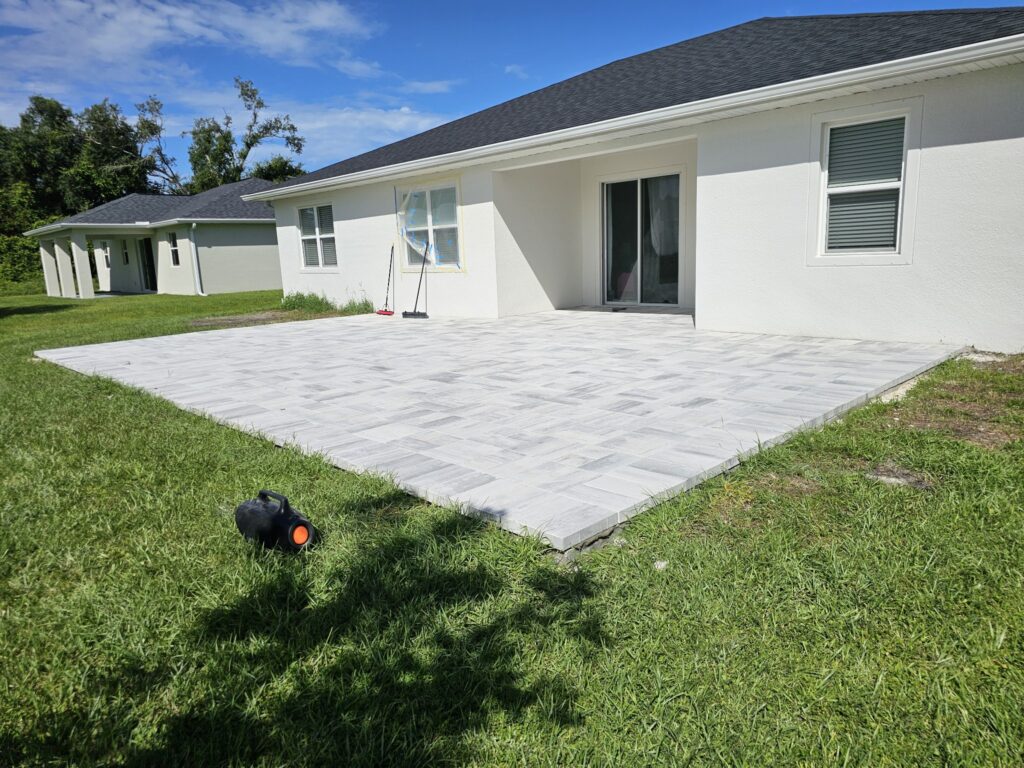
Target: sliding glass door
[641, 241]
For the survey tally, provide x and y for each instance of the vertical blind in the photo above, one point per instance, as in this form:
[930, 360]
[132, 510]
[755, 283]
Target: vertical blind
[868, 153]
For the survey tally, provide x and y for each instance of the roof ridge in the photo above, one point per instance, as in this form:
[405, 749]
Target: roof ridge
[919, 12]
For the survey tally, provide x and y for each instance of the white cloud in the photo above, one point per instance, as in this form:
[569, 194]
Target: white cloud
[335, 132]
[81, 50]
[358, 68]
[516, 70]
[136, 42]
[428, 86]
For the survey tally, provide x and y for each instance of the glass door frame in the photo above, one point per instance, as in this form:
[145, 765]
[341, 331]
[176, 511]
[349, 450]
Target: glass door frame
[638, 176]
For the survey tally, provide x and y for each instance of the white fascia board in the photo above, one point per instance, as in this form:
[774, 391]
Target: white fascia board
[692, 111]
[58, 226]
[172, 222]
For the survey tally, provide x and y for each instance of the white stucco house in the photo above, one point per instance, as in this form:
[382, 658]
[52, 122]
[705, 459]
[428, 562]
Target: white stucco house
[212, 242]
[857, 176]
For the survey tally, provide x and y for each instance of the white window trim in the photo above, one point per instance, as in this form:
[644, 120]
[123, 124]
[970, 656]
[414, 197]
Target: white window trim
[174, 249]
[821, 123]
[401, 249]
[125, 256]
[106, 253]
[320, 269]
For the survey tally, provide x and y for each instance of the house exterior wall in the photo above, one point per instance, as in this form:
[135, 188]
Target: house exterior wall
[537, 238]
[756, 213]
[178, 279]
[750, 199]
[124, 278]
[104, 260]
[365, 229]
[236, 257]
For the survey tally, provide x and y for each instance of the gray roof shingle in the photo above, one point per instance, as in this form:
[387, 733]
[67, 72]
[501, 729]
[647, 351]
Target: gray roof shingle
[223, 202]
[755, 54]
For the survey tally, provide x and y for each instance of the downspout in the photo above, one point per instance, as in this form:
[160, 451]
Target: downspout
[195, 260]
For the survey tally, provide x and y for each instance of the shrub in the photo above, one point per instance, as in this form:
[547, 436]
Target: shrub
[318, 304]
[28, 287]
[19, 259]
[307, 302]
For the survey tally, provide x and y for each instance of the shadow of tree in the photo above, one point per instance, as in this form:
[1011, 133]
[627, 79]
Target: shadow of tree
[394, 658]
[33, 309]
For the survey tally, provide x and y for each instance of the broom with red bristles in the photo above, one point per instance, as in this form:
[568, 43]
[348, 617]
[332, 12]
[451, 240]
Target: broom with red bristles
[386, 309]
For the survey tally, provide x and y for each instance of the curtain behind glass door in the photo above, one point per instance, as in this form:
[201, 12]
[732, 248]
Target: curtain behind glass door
[659, 209]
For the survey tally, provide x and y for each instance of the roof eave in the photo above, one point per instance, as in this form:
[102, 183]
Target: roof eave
[706, 108]
[59, 226]
[188, 220]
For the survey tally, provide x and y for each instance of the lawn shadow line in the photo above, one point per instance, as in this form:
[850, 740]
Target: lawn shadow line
[415, 643]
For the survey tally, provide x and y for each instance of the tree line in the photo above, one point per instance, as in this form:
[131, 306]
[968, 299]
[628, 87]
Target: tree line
[56, 162]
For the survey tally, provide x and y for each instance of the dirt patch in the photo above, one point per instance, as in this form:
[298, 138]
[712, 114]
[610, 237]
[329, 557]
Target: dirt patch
[1012, 364]
[228, 321]
[892, 474]
[975, 411]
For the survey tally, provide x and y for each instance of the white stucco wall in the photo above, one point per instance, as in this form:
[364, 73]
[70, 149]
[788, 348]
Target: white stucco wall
[124, 278]
[537, 238]
[170, 278]
[750, 189]
[236, 257]
[365, 230]
[965, 280]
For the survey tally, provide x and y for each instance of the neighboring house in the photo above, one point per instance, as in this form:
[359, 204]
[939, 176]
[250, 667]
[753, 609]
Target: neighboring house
[213, 242]
[854, 176]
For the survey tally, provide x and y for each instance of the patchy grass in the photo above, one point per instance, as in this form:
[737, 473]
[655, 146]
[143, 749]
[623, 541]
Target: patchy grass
[982, 405]
[315, 303]
[796, 611]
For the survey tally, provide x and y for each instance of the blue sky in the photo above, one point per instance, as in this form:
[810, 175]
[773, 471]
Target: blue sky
[353, 75]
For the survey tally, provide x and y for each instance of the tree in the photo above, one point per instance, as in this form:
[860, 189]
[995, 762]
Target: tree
[218, 157]
[277, 168]
[149, 138]
[45, 144]
[109, 164]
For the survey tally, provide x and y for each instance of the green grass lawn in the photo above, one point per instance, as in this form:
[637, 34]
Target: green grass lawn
[797, 611]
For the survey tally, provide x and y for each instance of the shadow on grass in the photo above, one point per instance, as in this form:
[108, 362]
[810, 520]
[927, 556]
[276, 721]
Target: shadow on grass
[407, 649]
[33, 309]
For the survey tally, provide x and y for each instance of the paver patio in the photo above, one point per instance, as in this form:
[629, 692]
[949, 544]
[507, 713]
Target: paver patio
[562, 424]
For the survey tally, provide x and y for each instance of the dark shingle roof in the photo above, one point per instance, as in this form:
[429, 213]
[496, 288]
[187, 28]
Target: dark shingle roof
[756, 54]
[223, 202]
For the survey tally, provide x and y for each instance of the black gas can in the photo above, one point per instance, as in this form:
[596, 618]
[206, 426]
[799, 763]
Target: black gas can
[270, 520]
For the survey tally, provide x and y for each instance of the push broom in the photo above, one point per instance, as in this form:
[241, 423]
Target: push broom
[423, 269]
[386, 309]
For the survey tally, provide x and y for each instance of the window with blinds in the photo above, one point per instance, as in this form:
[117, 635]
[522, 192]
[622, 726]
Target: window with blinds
[864, 182]
[316, 233]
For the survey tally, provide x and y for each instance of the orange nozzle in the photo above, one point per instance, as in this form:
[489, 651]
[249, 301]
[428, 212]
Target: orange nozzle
[300, 535]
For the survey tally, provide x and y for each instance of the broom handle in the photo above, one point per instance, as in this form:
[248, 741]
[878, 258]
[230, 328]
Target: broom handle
[423, 270]
[387, 290]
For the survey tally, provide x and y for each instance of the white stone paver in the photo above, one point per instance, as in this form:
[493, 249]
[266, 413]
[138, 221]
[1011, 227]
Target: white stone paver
[562, 424]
